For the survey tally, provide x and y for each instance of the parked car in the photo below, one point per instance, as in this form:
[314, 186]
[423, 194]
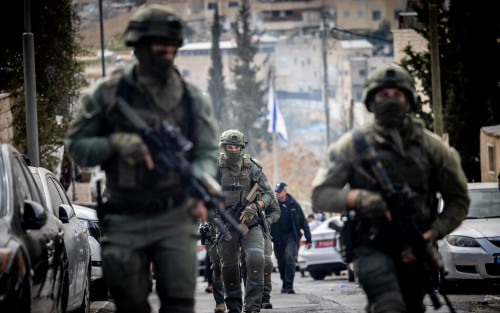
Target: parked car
[33, 259]
[472, 251]
[75, 239]
[324, 257]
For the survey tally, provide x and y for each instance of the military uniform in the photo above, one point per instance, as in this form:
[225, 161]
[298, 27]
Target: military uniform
[237, 175]
[272, 216]
[218, 285]
[144, 225]
[410, 154]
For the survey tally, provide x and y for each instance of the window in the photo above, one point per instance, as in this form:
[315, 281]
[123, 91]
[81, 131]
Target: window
[55, 197]
[185, 73]
[376, 15]
[308, 61]
[362, 73]
[232, 4]
[360, 14]
[491, 159]
[212, 5]
[396, 13]
[303, 63]
[358, 95]
[21, 189]
[346, 14]
[276, 14]
[288, 13]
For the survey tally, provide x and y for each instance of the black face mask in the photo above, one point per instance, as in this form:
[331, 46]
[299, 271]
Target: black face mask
[390, 112]
[157, 65]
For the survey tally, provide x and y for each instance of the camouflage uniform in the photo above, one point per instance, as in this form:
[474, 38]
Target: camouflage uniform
[236, 179]
[410, 154]
[154, 224]
[272, 216]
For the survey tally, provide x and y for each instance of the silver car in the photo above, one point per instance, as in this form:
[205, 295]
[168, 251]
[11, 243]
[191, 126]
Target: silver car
[324, 256]
[472, 251]
[75, 239]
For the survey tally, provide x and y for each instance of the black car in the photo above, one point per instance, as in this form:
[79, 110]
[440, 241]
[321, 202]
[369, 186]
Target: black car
[33, 260]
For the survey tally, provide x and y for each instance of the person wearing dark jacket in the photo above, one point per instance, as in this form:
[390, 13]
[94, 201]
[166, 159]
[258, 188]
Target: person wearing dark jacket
[286, 234]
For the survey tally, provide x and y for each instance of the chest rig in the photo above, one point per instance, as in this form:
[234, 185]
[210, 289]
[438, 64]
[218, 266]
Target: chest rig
[235, 187]
[415, 168]
[122, 176]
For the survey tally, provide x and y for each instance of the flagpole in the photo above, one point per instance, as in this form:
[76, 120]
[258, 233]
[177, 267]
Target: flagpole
[275, 161]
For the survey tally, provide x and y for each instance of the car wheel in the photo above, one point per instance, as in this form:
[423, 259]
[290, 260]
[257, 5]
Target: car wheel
[350, 275]
[445, 285]
[318, 274]
[85, 307]
[98, 290]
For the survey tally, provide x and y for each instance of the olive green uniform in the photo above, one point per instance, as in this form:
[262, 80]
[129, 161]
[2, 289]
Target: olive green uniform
[273, 213]
[414, 156]
[159, 228]
[235, 184]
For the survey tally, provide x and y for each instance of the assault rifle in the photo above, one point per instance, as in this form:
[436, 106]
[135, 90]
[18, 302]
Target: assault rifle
[235, 212]
[167, 147]
[403, 206]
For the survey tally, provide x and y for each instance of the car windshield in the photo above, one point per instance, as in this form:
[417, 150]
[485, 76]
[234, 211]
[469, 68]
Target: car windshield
[484, 203]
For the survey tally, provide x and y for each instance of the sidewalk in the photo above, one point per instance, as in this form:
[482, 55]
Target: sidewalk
[82, 194]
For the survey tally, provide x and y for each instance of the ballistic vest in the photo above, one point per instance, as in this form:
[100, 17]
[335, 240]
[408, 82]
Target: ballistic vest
[235, 187]
[121, 177]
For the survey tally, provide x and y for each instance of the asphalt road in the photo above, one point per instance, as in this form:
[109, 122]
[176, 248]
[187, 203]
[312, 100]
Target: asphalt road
[333, 294]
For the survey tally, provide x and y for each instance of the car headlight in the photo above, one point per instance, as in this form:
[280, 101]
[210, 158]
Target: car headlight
[85, 225]
[462, 241]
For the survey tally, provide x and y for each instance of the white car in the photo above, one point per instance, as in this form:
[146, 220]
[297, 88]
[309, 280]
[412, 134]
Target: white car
[324, 257]
[76, 240]
[88, 218]
[472, 251]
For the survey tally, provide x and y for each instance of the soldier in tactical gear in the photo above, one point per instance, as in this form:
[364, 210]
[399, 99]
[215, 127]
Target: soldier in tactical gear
[146, 225]
[411, 156]
[238, 173]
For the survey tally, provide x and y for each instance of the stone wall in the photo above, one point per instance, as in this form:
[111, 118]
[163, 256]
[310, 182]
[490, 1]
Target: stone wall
[6, 128]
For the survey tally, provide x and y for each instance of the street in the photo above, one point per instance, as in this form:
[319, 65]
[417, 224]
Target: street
[333, 294]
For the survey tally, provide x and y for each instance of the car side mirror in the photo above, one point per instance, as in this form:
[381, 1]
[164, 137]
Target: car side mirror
[34, 216]
[66, 212]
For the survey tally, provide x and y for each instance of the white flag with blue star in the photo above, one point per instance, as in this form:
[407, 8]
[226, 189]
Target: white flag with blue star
[276, 120]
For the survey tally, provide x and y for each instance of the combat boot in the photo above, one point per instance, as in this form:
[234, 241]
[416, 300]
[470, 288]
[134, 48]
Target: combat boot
[266, 304]
[220, 307]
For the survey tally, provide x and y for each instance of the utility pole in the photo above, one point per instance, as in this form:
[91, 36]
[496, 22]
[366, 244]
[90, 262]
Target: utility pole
[103, 58]
[324, 34]
[30, 87]
[435, 71]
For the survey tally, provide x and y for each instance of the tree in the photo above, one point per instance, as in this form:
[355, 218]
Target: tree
[216, 78]
[470, 70]
[59, 76]
[248, 99]
[297, 167]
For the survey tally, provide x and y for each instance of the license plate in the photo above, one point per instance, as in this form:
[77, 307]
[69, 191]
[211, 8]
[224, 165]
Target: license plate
[497, 259]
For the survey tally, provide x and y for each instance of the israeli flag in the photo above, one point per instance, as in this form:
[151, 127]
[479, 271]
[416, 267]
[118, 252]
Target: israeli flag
[276, 120]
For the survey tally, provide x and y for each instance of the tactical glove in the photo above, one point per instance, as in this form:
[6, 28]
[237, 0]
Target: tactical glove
[250, 212]
[370, 205]
[129, 147]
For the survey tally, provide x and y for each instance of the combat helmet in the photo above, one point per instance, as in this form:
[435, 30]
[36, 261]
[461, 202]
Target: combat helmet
[232, 137]
[390, 76]
[155, 21]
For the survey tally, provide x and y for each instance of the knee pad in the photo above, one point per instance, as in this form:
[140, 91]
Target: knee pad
[268, 267]
[255, 266]
[388, 302]
[231, 278]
